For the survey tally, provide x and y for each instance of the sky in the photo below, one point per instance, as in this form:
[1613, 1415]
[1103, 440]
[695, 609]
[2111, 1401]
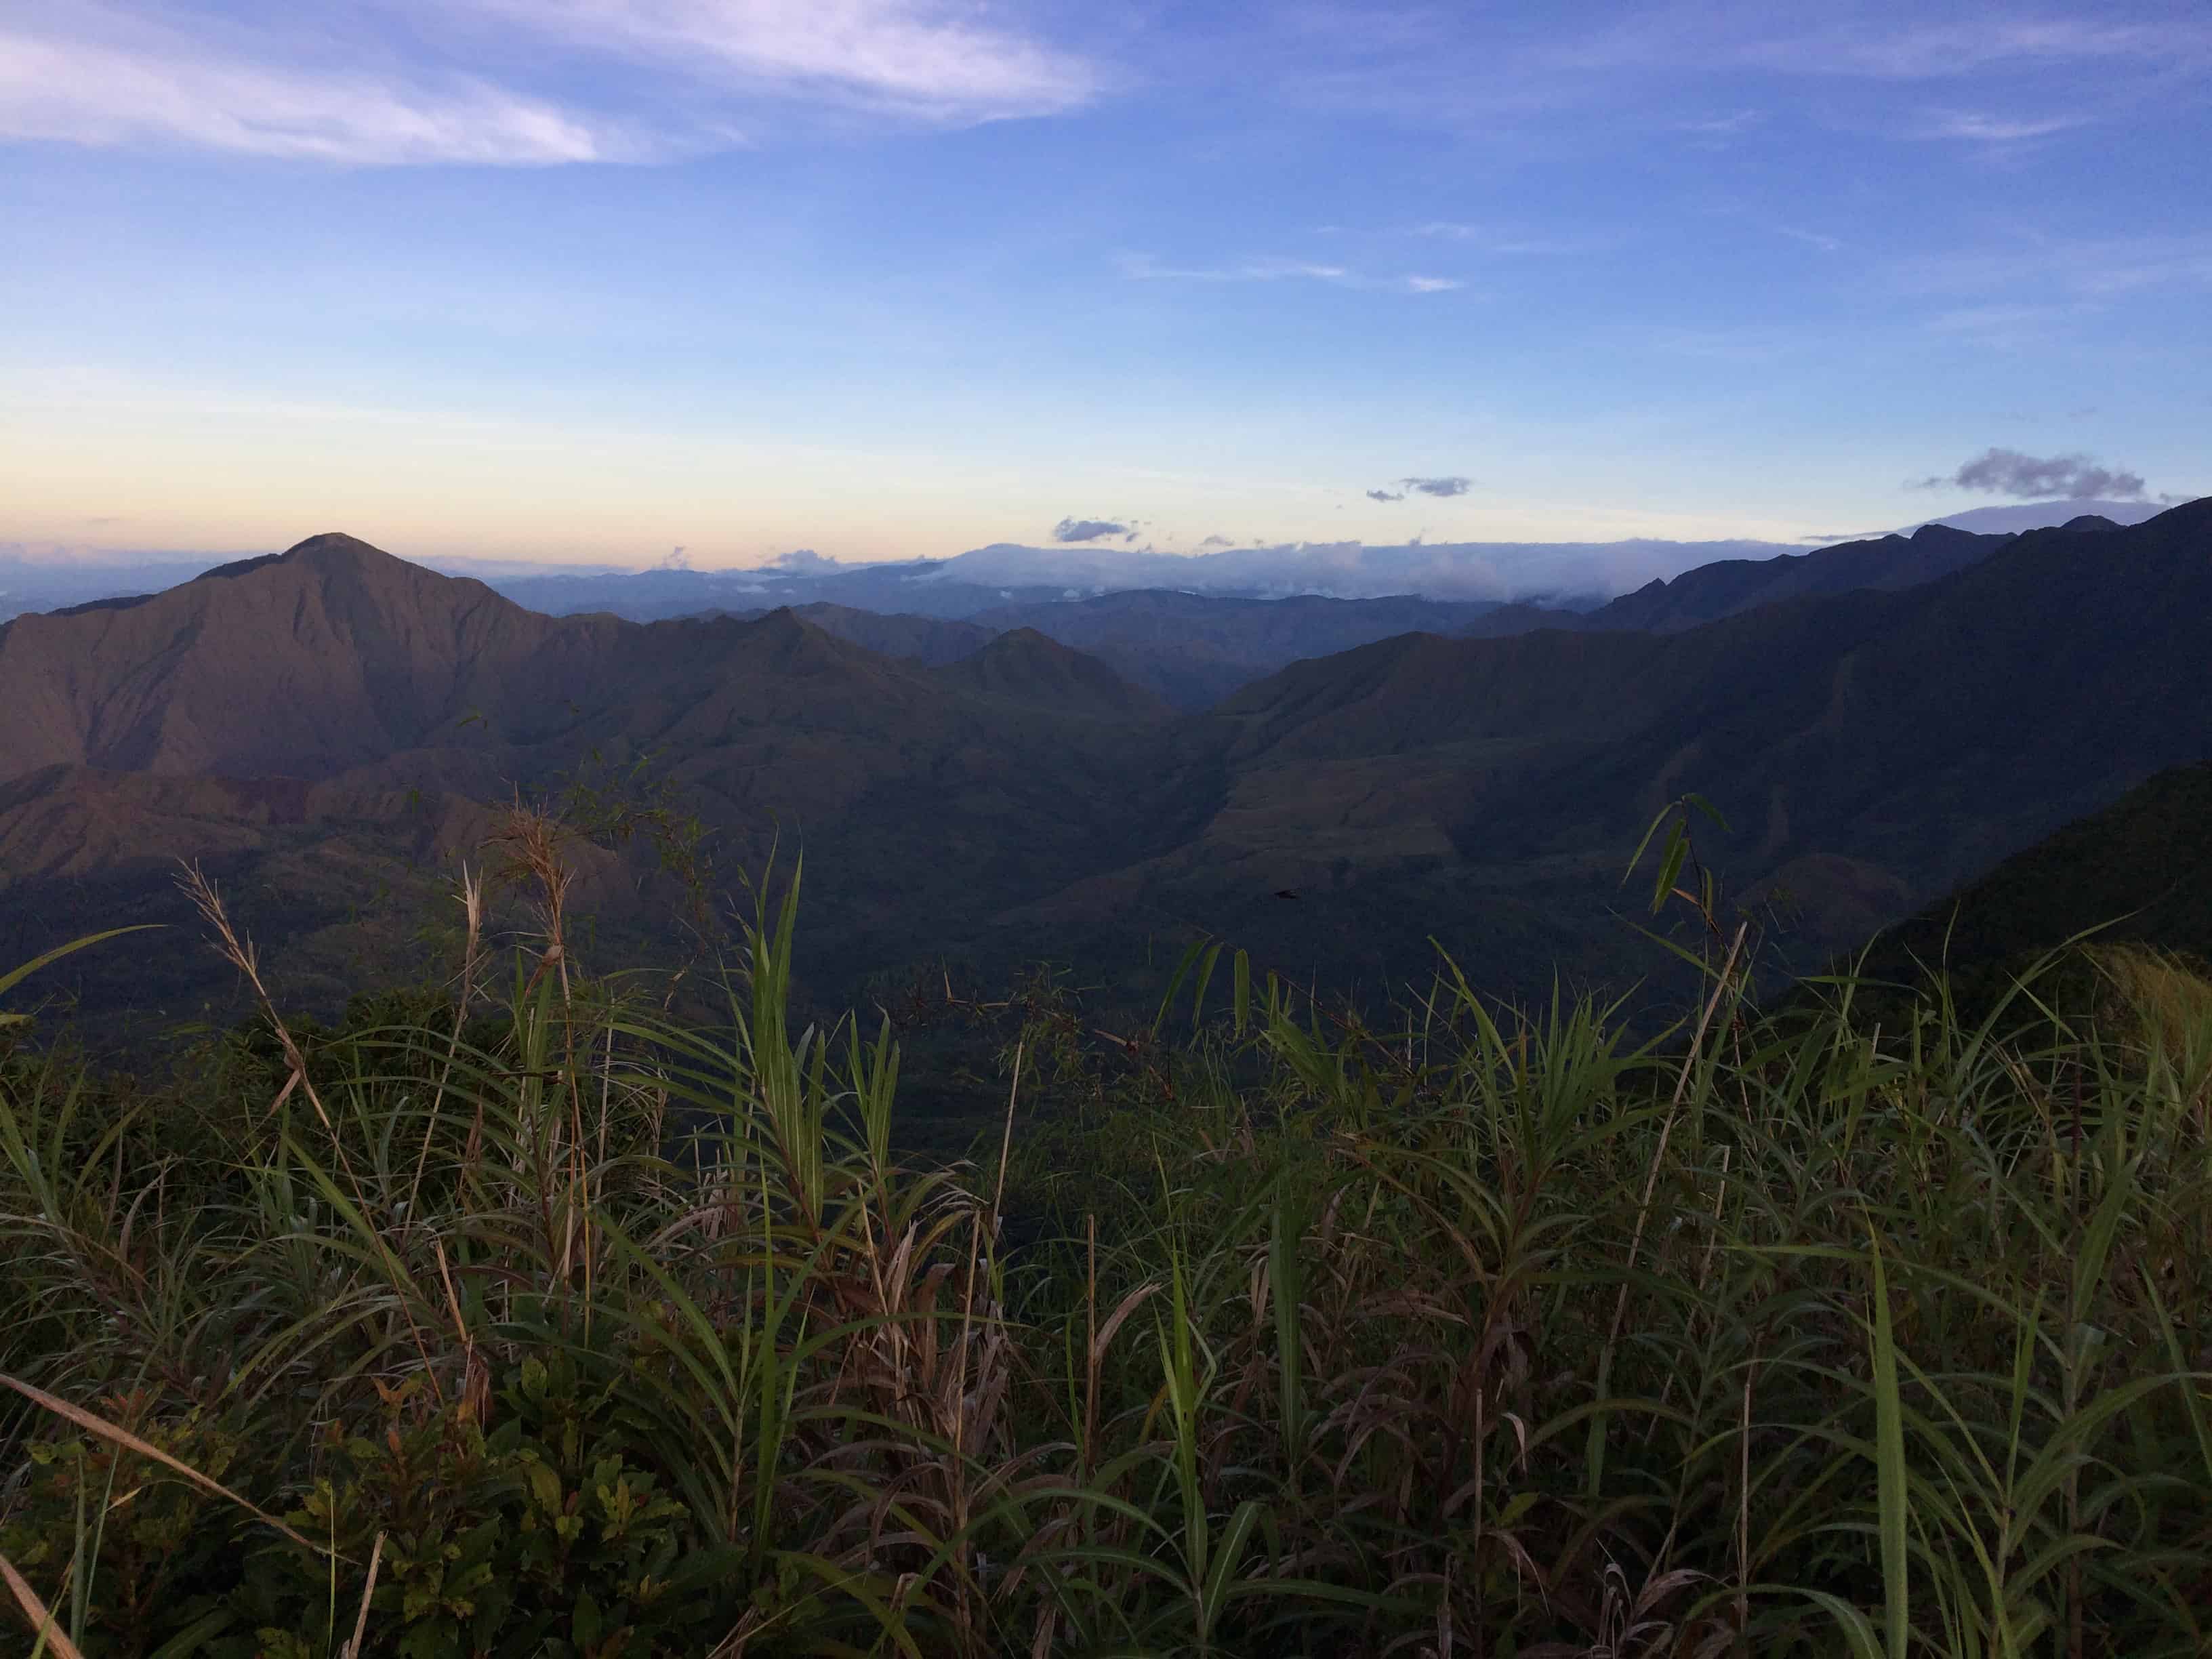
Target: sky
[596, 281]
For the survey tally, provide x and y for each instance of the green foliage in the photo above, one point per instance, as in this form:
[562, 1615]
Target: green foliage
[160, 1545]
[537, 1537]
[2138, 873]
[554, 1325]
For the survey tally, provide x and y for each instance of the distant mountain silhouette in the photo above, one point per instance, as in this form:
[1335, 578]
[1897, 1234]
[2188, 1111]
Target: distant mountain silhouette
[2014, 518]
[320, 724]
[1195, 649]
[1714, 591]
[1007, 573]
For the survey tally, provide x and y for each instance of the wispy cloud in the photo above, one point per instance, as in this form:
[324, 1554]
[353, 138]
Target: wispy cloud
[1878, 48]
[1487, 239]
[2039, 478]
[1386, 495]
[410, 82]
[1974, 125]
[2007, 327]
[2083, 267]
[1470, 68]
[1145, 267]
[1723, 126]
[153, 90]
[935, 59]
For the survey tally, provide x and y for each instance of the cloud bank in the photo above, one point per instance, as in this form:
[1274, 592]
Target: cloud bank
[1344, 569]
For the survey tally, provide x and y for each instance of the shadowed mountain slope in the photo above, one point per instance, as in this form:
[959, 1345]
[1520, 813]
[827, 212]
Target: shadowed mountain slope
[307, 717]
[322, 658]
[1871, 749]
[932, 641]
[1026, 666]
[1195, 649]
[336, 704]
[2139, 869]
[1711, 592]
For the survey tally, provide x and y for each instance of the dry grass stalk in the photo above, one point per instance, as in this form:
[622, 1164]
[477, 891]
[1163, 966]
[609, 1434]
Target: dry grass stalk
[353, 1649]
[239, 952]
[43, 1625]
[115, 1434]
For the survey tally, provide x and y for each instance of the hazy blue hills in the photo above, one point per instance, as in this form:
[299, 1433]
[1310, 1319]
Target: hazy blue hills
[1193, 649]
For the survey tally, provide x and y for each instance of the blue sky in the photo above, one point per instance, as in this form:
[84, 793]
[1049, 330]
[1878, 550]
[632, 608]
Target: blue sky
[591, 279]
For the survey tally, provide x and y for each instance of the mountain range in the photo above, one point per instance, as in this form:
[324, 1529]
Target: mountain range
[51, 577]
[329, 730]
[1193, 649]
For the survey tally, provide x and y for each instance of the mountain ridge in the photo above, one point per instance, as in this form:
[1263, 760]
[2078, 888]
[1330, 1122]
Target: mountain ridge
[1871, 748]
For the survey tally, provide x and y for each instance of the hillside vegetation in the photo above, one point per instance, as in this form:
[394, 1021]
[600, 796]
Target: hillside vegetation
[525, 1321]
[330, 730]
[2139, 872]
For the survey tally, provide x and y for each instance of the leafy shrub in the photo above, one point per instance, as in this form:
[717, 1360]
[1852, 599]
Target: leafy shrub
[1479, 1331]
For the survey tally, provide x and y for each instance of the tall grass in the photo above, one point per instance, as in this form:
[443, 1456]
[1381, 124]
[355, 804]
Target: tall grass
[539, 1322]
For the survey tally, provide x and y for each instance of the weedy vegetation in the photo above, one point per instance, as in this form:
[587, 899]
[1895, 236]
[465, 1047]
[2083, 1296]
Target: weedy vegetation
[531, 1320]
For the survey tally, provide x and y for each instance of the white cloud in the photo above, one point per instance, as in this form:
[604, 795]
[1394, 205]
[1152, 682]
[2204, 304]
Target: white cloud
[924, 58]
[1997, 128]
[95, 93]
[1144, 267]
[685, 73]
